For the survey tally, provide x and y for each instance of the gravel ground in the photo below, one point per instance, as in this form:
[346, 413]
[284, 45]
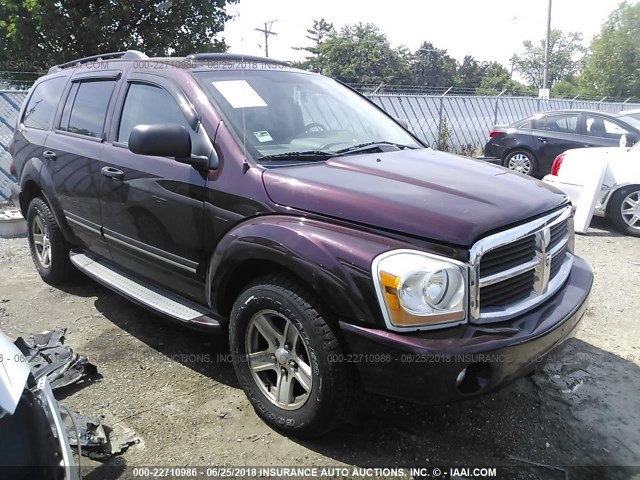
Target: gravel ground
[176, 389]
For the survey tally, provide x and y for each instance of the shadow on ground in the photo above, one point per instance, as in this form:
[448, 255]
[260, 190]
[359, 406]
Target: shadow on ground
[580, 410]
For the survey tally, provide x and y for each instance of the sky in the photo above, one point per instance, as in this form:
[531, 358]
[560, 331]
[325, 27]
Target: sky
[490, 30]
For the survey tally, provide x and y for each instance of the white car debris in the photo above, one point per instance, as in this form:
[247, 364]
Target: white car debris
[618, 195]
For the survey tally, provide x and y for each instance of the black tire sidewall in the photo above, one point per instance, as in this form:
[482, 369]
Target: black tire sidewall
[308, 419]
[532, 159]
[60, 265]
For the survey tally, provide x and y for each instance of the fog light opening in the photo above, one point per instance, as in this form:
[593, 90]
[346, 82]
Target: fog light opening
[474, 378]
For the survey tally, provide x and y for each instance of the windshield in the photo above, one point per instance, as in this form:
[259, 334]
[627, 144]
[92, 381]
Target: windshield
[285, 113]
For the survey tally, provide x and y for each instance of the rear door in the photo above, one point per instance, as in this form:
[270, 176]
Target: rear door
[73, 151]
[153, 207]
[553, 134]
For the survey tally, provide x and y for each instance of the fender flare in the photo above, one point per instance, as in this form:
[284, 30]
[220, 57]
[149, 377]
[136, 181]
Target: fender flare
[333, 261]
[613, 190]
[35, 174]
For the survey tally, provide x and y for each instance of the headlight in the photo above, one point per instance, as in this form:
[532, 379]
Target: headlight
[420, 291]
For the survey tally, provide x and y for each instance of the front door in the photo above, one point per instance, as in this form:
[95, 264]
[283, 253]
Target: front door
[602, 132]
[152, 207]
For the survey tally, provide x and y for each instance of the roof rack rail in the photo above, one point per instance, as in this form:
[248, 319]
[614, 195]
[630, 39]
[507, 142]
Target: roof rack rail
[127, 55]
[232, 57]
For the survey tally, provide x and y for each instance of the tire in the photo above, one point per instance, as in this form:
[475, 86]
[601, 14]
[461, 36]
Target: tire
[624, 210]
[268, 306]
[522, 161]
[49, 249]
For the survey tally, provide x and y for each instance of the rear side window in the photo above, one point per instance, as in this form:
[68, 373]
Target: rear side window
[42, 103]
[145, 105]
[86, 108]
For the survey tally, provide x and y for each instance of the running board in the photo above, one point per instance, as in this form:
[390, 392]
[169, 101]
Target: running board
[143, 293]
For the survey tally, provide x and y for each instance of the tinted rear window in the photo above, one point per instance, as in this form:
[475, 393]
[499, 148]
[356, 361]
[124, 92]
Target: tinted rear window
[42, 104]
[561, 123]
[85, 112]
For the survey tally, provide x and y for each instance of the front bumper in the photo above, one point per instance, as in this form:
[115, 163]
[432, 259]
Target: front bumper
[427, 367]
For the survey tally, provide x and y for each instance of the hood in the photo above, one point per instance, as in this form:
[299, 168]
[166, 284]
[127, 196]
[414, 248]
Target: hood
[424, 193]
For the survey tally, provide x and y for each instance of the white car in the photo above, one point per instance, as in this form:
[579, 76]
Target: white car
[619, 199]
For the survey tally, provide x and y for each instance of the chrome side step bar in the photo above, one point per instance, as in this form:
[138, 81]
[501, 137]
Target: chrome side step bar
[145, 294]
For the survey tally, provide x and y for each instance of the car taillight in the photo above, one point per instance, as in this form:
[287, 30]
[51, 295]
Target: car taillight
[557, 163]
[494, 133]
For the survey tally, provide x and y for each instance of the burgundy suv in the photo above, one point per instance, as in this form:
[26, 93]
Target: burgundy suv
[341, 254]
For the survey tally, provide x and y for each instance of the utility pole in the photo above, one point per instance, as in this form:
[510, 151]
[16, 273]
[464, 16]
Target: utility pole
[267, 32]
[547, 53]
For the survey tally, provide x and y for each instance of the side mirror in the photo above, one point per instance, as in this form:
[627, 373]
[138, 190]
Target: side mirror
[161, 139]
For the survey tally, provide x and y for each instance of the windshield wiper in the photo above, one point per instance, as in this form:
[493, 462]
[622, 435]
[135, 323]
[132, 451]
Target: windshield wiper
[309, 155]
[363, 147]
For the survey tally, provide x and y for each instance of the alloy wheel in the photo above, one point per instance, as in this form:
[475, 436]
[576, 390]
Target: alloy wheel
[41, 241]
[520, 163]
[630, 210]
[278, 360]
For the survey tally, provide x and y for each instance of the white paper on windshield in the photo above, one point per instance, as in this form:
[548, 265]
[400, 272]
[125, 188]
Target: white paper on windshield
[239, 93]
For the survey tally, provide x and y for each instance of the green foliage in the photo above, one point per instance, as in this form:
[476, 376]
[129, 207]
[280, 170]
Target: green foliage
[613, 65]
[444, 135]
[360, 54]
[566, 88]
[45, 32]
[433, 67]
[565, 49]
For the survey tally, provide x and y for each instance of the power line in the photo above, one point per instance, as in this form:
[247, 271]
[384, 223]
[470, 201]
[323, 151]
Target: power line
[267, 33]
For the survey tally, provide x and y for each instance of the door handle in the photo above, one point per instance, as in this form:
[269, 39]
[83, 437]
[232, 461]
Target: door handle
[49, 155]
[542, 139]
[112, 173]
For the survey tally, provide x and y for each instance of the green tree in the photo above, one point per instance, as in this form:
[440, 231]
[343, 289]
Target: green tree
[44, 32]
[470, 73]
[565, 51]
[362, 54]
[566, 88]
[496, 78]
[433, 67]
[320, 30]
[614, 62]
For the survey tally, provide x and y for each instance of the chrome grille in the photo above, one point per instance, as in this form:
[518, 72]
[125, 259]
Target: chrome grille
[509, 256]
[516, 270]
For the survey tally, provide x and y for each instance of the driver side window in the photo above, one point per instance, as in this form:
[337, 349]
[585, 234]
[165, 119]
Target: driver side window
[148, 104]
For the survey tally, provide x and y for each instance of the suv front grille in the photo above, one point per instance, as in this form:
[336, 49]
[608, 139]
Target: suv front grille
[515, 270]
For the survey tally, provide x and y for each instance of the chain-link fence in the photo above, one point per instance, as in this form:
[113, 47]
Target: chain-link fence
[457, 123]
[10, 102]
[462, 123]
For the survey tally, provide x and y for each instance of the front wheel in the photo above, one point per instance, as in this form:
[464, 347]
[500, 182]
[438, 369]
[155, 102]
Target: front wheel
[285, 354]
[624, 210]
[49, 249]
[521, 161]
